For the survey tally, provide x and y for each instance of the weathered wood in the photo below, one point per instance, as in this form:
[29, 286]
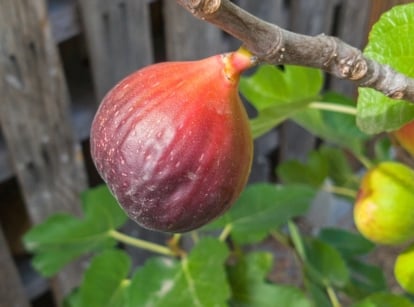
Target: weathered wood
[351, 25]
[311, 17]
[11, 291]
[34, 116]
[188, 38]
[119, 39]
[63, 16]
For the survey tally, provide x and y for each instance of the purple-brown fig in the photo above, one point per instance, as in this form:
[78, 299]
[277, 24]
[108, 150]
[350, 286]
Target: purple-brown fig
[173, 142]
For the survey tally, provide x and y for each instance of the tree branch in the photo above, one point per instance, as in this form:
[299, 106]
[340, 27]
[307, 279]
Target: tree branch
[278, 46]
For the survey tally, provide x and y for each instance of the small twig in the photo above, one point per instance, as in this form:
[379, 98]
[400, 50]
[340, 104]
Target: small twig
[275, 45]
[334, 107]
[153, 247]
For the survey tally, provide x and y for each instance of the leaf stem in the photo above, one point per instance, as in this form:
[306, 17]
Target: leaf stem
[281, 238]
[226, 232]
[153, 247]
[333, 107]
[332, 297]
[341, 191]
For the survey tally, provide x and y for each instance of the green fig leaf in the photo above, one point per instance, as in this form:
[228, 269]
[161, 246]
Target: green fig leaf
[197, 280]
[326, 263]
[313, 173]
[105, 282]
[276, 95]
[347, 243]
[262, 208]
[249, 286]
[404, 269]
[317, 294]
[333, 119]
[384, 300]
[365, 279]
[63, 237]
[390, 43]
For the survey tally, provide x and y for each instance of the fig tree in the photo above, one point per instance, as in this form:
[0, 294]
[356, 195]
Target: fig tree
[173, 142]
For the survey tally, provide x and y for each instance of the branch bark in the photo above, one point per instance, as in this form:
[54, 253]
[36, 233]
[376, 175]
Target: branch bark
[275, 45]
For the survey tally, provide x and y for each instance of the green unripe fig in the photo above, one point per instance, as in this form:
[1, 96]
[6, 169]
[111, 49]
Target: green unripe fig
[404, 269]
[384, 208]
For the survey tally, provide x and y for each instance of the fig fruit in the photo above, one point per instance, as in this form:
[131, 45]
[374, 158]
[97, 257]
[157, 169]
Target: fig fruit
[173, 143]
[405, 137]
[384, 209]
[404, 269]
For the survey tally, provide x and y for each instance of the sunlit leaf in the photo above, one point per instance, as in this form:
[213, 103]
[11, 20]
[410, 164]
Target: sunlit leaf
[391, 43]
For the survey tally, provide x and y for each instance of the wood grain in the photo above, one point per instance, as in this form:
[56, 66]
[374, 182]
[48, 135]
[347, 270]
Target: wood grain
[34, 116]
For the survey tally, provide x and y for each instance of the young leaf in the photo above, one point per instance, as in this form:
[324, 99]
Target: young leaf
[62, 237]
[250, 288]
[197, 280]
[325, 261]
[263, 207]
[391, 43]
[347, 243]
[277, 93]
[105, 282]
[384, 300]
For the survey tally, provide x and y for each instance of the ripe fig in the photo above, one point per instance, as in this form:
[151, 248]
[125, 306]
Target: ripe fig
[405, 136]
[384, 209]
[173, 142]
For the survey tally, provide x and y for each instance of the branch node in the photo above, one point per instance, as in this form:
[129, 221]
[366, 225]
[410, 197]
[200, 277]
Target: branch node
[203, 7]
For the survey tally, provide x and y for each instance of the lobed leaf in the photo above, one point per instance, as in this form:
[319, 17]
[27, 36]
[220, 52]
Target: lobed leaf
[105, 282]
[326, 264]
[198, 280]
[279, 93]
[62, 237]
[250, 288]
[262, 208]
[390, 43]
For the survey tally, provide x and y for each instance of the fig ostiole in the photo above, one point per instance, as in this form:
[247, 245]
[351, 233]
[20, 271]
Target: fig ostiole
[173, 143]
[384, 209]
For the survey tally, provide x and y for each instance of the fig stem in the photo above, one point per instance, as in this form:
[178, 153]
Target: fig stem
[226, 232]
[332, 296]
[333, 107]
[341, 191]
[156, 248]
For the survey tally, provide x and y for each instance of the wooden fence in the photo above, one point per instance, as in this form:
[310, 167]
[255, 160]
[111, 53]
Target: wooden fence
[57, 60]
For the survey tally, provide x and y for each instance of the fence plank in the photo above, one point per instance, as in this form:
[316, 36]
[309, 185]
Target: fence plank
[352, 27]
[119, 39]
[188, 38]
[11, 291]
[35, 121]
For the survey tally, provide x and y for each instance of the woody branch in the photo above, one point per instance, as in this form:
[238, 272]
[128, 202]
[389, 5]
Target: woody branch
[275, 45]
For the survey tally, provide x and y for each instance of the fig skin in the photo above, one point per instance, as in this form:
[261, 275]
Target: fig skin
[405, 137]
[384, 209]
[173, 142]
